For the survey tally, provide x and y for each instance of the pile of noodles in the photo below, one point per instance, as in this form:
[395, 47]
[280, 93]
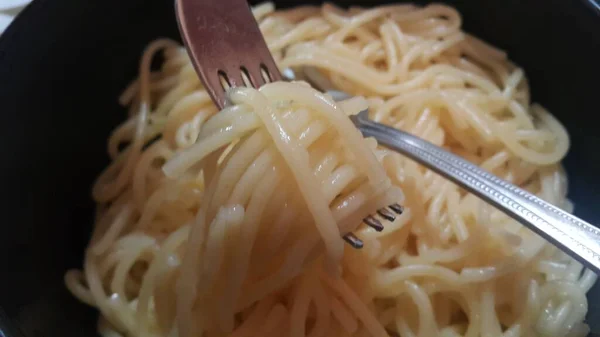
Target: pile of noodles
[230, 223]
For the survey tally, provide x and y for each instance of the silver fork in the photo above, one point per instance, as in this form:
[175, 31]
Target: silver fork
[227, 49]
[571, 234]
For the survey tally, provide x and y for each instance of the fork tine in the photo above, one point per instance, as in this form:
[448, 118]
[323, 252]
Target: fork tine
[215, 89]
[268, 63]
[354, 241]
[234, 76]
[272, 71]
[397, 208]
[373, 223]
[255, 75]
[386, 214]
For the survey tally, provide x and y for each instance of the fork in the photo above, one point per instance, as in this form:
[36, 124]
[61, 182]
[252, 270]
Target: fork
[228, 50]
[569, 233]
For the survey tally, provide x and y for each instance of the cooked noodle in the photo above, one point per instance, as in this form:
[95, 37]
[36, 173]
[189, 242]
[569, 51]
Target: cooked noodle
[230, 223]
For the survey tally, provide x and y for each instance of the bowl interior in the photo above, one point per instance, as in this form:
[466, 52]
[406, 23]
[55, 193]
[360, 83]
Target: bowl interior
[63, 64]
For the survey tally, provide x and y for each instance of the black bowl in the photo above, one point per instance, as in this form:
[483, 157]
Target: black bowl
[64, 62]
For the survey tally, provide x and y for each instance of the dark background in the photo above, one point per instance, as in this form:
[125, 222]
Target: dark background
[64, 62]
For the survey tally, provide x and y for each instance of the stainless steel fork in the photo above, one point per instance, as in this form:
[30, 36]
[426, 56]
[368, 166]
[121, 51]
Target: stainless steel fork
[571, 234]
[227, 49]
[574, 236]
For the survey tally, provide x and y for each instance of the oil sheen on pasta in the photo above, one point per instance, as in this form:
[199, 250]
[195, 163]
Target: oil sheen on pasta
[230, 224]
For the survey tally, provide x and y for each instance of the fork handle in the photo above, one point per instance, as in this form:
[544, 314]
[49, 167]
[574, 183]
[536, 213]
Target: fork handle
[576, 237]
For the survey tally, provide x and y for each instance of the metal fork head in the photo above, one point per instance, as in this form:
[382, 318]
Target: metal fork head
[373, 222]
[225, 43]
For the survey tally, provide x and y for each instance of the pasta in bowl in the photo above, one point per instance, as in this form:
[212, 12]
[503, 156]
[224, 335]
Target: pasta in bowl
[228, 223]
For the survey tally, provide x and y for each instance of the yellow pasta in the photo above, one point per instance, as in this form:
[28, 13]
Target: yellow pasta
[230, 223]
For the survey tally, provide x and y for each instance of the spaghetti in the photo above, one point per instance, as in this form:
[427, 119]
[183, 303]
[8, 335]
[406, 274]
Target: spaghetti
[230, 223]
